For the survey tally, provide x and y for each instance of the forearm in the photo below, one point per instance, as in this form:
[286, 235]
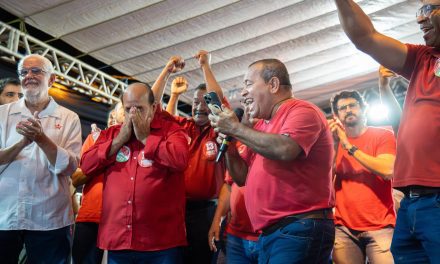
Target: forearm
[382, 166]
[172, 104]
[79, 178]
[387, 98]
[223, 204]
[271, 146]
[49, 148]
[116, 145]
[211, 83]
[236, 166]
[7, 155]
[159, 85]
[356, 24]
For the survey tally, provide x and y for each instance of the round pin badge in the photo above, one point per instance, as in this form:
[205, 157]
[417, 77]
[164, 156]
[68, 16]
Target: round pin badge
[143, 162]
[210, 150]
[123, 154]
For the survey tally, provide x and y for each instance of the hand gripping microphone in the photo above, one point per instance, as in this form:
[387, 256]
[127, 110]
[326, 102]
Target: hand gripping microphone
[225, 144]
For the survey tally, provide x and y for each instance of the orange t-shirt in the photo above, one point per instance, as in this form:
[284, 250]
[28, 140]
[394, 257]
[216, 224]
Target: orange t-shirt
[91, 205]
[364, 200]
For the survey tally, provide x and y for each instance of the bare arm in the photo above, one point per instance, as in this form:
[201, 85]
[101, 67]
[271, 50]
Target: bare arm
[359, 29]
[221, 210]
[178, 86]
[174, 64]
[387, 97]
[7, 155]
[79, 178]
[236, 166]
[211, 83]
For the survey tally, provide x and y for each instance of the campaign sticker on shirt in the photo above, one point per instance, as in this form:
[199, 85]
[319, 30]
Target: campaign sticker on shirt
[210, 150]
[437, 68]
[123, 154]
[143, 162]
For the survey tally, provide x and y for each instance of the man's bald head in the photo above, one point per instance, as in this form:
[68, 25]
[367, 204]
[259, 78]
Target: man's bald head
[138, 90]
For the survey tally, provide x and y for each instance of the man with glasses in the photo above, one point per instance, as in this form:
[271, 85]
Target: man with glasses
[364, 215]
[417, 166]
[10, 90]
[39, 146]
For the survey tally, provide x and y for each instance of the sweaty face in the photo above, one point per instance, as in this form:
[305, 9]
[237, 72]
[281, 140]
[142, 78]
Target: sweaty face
[11, 93]
[430, 25]
[350, 112]
[35, 84]
[200, 110]
[256, 95]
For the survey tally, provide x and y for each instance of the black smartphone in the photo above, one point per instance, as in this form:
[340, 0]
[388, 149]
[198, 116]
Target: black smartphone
[212, 99]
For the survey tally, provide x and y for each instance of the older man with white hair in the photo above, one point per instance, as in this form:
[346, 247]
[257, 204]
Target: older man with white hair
[39, 146]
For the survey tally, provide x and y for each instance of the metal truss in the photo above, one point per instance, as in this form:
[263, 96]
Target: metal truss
[70, 72]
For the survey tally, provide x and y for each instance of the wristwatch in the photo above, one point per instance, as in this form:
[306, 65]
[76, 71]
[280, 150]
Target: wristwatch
[352, 150]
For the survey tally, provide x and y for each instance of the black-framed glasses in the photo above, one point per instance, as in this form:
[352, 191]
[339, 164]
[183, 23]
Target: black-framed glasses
[426, 10]
[34, 70]
[344, 108]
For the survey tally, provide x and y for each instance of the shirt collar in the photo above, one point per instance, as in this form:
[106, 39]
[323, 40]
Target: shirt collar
[50, 110]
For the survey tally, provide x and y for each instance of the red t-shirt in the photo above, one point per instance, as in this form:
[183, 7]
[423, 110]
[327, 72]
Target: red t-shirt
[143, 205]
[418, 140]
[276, 189]
[240, 224]
[91, 204]
[203, 177]
[364, 200]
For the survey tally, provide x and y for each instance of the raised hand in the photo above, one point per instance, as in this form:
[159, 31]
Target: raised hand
[179, 85]
[338, 132]
[31, 129]
[175, 64]
[223, 121]
[203, 57]
[126, 131]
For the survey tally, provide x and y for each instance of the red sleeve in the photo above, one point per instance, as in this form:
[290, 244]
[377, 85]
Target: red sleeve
[304, 125]
[411, 59]
[168, 148]
[95, 160]
[386, 143]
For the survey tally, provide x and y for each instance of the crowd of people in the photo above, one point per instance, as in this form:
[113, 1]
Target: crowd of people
[294, 186]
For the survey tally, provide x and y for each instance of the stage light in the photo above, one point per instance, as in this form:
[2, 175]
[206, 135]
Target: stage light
[377, 112]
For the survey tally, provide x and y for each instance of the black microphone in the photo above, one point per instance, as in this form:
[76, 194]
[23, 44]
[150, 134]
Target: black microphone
[225, 144]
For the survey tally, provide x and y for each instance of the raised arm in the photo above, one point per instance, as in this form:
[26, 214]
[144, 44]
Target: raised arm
[174, 64]
[387, 97]
[211, 83]
[357, 25]
[178, 86]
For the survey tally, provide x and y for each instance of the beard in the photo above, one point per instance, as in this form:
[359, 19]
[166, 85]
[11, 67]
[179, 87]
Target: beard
[351, 123]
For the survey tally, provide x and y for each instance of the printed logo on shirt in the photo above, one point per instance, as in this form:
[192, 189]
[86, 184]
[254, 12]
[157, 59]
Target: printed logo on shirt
[143, 162]
[437, 68]
[210, 150]
[123, 154]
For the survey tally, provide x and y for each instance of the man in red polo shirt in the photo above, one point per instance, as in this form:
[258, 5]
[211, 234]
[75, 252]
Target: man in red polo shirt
[288, 177]
[203, 177]
[365, 214]
[143, 161]
[417, 166]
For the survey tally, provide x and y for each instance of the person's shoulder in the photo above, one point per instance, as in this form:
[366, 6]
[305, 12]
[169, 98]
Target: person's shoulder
[5, 109]
[381, 130]
[64, 112]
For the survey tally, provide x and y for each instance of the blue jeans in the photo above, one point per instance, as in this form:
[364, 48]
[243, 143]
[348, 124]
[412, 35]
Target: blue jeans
[167, 256]
[304, 241]
[417, 233]
[241, 251]
[353, 246]
[52, 246]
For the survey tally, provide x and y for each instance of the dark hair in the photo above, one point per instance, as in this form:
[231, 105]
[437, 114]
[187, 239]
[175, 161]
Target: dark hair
[7, 81]
[344, 95]
[274, 68]
[201, 86]
[150, 92]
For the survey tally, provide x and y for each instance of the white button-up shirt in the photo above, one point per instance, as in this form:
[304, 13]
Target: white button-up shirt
[34, 195]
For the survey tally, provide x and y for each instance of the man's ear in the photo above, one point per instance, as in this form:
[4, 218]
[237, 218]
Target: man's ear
[274, 84]
[52, 79]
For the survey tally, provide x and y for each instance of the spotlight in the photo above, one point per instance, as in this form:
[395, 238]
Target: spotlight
[377, 112]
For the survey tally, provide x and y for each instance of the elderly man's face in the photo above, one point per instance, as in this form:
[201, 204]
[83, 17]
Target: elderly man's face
[200, 109]
[428, 18]
[36, 79]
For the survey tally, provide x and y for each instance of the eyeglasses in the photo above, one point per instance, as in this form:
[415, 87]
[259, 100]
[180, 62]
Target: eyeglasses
[344, 108]
[34, 70]
[426, 10]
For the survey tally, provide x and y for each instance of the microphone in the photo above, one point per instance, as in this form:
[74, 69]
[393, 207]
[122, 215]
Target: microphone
[225, 144]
